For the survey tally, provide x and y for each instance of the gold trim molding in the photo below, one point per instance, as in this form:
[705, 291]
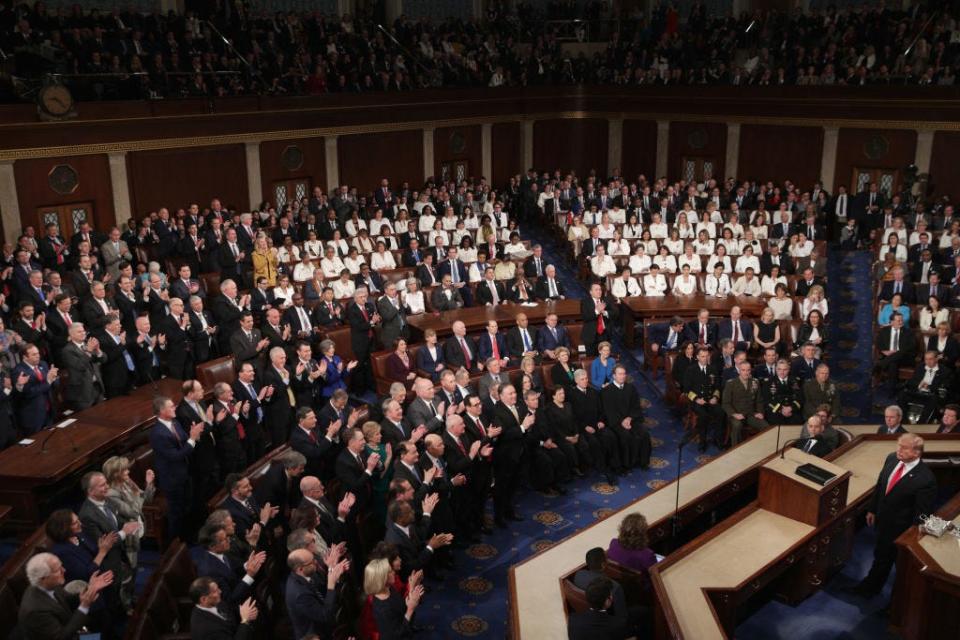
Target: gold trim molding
[320, 132]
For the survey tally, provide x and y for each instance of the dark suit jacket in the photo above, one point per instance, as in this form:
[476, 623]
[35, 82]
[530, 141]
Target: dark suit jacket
[34, 404]
[352, 477]
[43, 618]
[484, 296]
[907, 290]
[227, 576]
[453, 354]
[206, 626]
[542, 289]
[911, 497]
[311, 612]
[908, 345]
[414, 554]
[691, 332]
[820, 449]
[484, 346]
[546, 341]
[170, 456]
[597, 625]
[314, 452]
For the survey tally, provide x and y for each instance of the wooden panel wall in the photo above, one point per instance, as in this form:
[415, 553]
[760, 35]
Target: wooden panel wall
[639, 149]
[272, 167]
[780, 153]
[33, 189]
[458, 143]
[174, 178]
[696, 139]
[571, 144]
[367, 157]
[507, 152]
[944, 168]
[854, 144]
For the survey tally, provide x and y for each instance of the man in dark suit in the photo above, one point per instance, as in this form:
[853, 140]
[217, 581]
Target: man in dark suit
[362, 317]
[144, 348]
[459, 276]
[370, 279]
[446, 297]
[815, 443]
[279, 402]
[247, 344]
[204, 464]
[311, 608]
[552, 336]
[354, 470]
[737, 329]
[413, 256]
[535, 266]
[95, 308]
[227, 309]
[313, 445]
[279, 486]
[202, 329]
[403, 532]
[393, 318]
[328, 313]
[602, 621]
[897, 348]
[118, 368]
[701, 332]
[427, 274]
[252, 394]
[489, 291]
[804, 367]
[598, 314]
[807, 281]
[772, 258]
[211, 560]
[52, 618]
[549, 287]
[80, 357]
[172, 449]
[508, 453]
[229, 431]
[929, 387]
[98, 519]
[32, 381]
[210, 619]
[899, 284]
[459, 350]
[178, 346]
[905, 490]
[233, 260]
[892, 422]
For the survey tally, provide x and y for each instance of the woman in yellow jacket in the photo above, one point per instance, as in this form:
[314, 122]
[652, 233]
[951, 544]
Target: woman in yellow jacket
[264, 261]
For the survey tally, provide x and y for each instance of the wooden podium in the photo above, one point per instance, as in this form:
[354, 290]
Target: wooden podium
[784, 492]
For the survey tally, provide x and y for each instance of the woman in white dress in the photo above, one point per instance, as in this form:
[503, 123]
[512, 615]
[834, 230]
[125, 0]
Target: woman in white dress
[655, 283]
[640, 262]
[717, 283]
[427, 218]
[515, 248]
[437, 230]
[684, 228]
[413, 297]
[781, 303]
[363, 243]
[803, 247]
[816, 299]
[750, 240]
[601, 264]
[633, 228]
[304, 269]
[377, 223]
[313, 247]
[284, 290]
[657, 228]
[706, 227]
[727, 240]
[893, 246]
[354, 224]
[470, 219]
[354, 260]
[721, 258]
[343, 287]
[689, 213]
[768, 284]
[665, 260]
[607, 228]
[686, 283]
[339, 244]
[651, 246]
[381, 259]
[674, 243]
[690, 259]
[617, 246]
[449, 219]
[331, 264]
[401, 222]
[759, 227]
[747, 260]
[733, 223]
[703, 245]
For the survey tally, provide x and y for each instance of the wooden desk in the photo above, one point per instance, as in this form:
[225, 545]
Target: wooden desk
[642, 307]
[32, 476]
[536, 605]
[926, 593]
[476, 318]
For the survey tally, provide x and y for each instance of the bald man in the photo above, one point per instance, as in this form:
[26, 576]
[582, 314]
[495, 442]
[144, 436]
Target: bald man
[312, 613]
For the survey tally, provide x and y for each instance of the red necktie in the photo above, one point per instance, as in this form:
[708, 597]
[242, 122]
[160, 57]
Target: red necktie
[466, 353]
[496, 350]
[703, 334]
[600, 325]
[736, 332]
[67, 320]
[895, 478]
[460, 446]
[313, 436]
[366, 318]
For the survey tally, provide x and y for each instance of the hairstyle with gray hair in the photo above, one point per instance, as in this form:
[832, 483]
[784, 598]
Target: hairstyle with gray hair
[38, 567]
[218, 518]
[292, 460]
[325, 345]
[276, 351]
[220, 388]
[298, 539]
[579, 373]
[896, 409]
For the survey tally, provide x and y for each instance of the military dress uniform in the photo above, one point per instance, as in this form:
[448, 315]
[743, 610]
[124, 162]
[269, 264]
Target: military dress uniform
[702, 382]
[747, 400]
[783, 393]
[816, 394]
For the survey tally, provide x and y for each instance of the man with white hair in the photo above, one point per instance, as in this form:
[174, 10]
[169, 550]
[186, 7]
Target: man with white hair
[84, 386]
[362, 317]
[46, 610]
[279, 404]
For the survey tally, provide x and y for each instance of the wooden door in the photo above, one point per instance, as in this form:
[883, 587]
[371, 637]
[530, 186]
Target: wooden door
[68, 216]
[887, 180]
[455, 170]
[697, 169]
[287, 191]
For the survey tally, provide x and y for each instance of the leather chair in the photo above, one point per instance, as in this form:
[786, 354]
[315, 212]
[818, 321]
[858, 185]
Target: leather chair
[219, 370]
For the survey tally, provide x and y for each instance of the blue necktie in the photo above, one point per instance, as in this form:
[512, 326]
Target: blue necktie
[526, 340]
[126, 355]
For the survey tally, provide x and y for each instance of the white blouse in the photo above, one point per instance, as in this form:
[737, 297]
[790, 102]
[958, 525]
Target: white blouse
[655, 285]
[303, 271]
[353, 264]
[640, 264]
[696, 264]
[685, 286]
[332, 267]
[380, 261]
[725, 261]
[667, 264]
[343, 289]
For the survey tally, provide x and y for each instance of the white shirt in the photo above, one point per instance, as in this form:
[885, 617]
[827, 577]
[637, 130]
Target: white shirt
[655, 284]
[717, 287]
[621, 289]
[684, 287]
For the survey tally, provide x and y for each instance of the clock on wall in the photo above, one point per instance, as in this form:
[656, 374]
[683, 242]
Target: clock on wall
[55, 102]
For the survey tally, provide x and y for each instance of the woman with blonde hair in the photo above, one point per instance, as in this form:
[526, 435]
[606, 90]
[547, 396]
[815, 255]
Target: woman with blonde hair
[391, 611]
[816, 299]
[264, 260]
[126, 500]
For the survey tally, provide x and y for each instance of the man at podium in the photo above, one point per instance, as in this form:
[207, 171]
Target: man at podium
[815, 443]
[906, 489]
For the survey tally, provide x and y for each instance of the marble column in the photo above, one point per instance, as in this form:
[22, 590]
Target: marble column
[120, 186]
[254, 179]
[486, 151]
[828, 161]
[923, 155]
[527, 138]
[9, 204]
[733, 150]
[332, 162]
[614, 145]
[428, 163]
[663, 147]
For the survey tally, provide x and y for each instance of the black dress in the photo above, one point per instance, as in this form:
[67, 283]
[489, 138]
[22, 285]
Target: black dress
[390, 619]
[767, 332]
[560, 377]
[680, 366]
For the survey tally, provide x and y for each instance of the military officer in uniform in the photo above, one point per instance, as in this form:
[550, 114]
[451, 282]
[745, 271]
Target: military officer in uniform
[820, 390]
[783, 397]
[701, 384]
[743, 403]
